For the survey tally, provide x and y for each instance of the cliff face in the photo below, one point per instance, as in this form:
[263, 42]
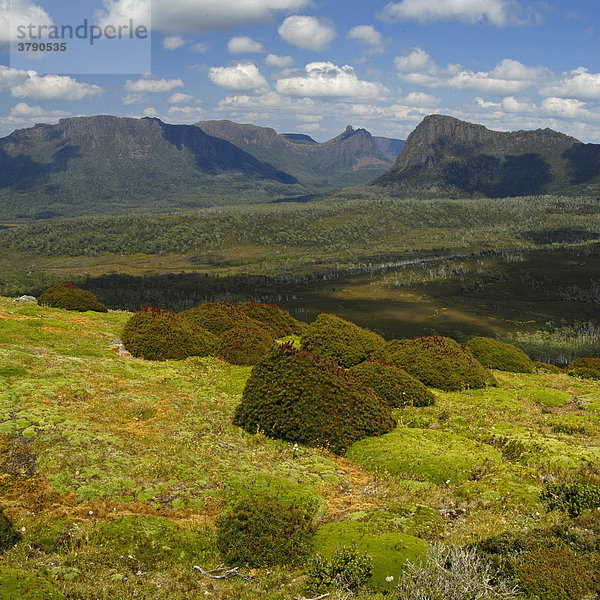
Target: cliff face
[350, 158]
[446, 156]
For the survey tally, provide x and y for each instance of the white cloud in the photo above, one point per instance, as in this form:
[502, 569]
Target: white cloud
[366, 35]
[324, 79]
[309, 127]
[11, 77]
[22, 109]
[143, 86]
[179, 98]
[278, 62]
[579, 83]
[567, 108]
[53, 87]
[199, 47]
[421, 99]
[310, 118]
[172, 42]
[195, 16]
[240, 77]
[133, 99]
[470, 12]
[186, 114]
[20, 12]
[243, 44]
[150, 112]
[506, 78]
[309, 33]
[511, 105]
[268, 100]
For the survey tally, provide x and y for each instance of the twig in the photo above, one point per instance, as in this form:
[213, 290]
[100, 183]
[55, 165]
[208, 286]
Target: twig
[222, 572]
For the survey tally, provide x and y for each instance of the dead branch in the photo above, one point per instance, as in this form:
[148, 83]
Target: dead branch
[222, 572]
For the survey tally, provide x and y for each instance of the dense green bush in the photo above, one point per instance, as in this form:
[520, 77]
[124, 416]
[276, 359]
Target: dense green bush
[555, 574]
[340, 341]
[68, 296]
[438, 362]
[571, 497]
[273, 318]
[260, 531]
[347, 570]
[542, 367]
[393, 385]
[217, 317]
[295, 396]
[17, 584]
[585, 368]
[244, 345]
[499, 355]
[9, 536]
[156, 334]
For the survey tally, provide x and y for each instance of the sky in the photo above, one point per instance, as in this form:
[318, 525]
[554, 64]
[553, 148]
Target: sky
[308, 66]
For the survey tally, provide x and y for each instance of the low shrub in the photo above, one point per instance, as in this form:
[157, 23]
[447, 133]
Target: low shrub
[275, 319]
[156, 334]
[499, 355]
[585, 368]
[70, 297]
[571, 497]
[217, 317]
[261, 531]
[393, 385]
[342, 342]
[244, 345]
[547, 396]
[347, 570]
[9, 536]
[295, 396]
[542, 367]
[555, 574]
[453, 573]
[17, 584]
[149, 540]
[437, 362]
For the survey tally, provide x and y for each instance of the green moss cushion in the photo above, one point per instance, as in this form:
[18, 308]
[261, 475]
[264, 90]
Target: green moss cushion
[295, 396]
[16, 584]
[342, 342]
[436, 456]
[498, 355]
[217, 317]
[438, 362]
[388, 551]
[244, 345]
[273, 318]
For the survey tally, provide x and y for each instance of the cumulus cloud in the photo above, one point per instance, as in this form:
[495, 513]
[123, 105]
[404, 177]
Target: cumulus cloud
[494, 12]
[179, 98]
[243, 44]
[185, 114]
[268, 100]
[309, 127]
[143, 86]
[324, 79]
[172, 42]
[309, 33]
[506, 78]
[567, 108]
[199, 47]
[195, 16]
[366, 35]
[278, 62]
[22, 109]
[240, 77]
[579, 83]
[53, 87]
[20, 12]
[150, 112]
[421, 99]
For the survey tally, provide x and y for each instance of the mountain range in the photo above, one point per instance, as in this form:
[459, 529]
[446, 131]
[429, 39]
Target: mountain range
[105, 164]
[444, 156]
[109, 165]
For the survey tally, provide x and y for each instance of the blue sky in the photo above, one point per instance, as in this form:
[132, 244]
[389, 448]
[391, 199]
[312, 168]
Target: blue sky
[315, 66]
